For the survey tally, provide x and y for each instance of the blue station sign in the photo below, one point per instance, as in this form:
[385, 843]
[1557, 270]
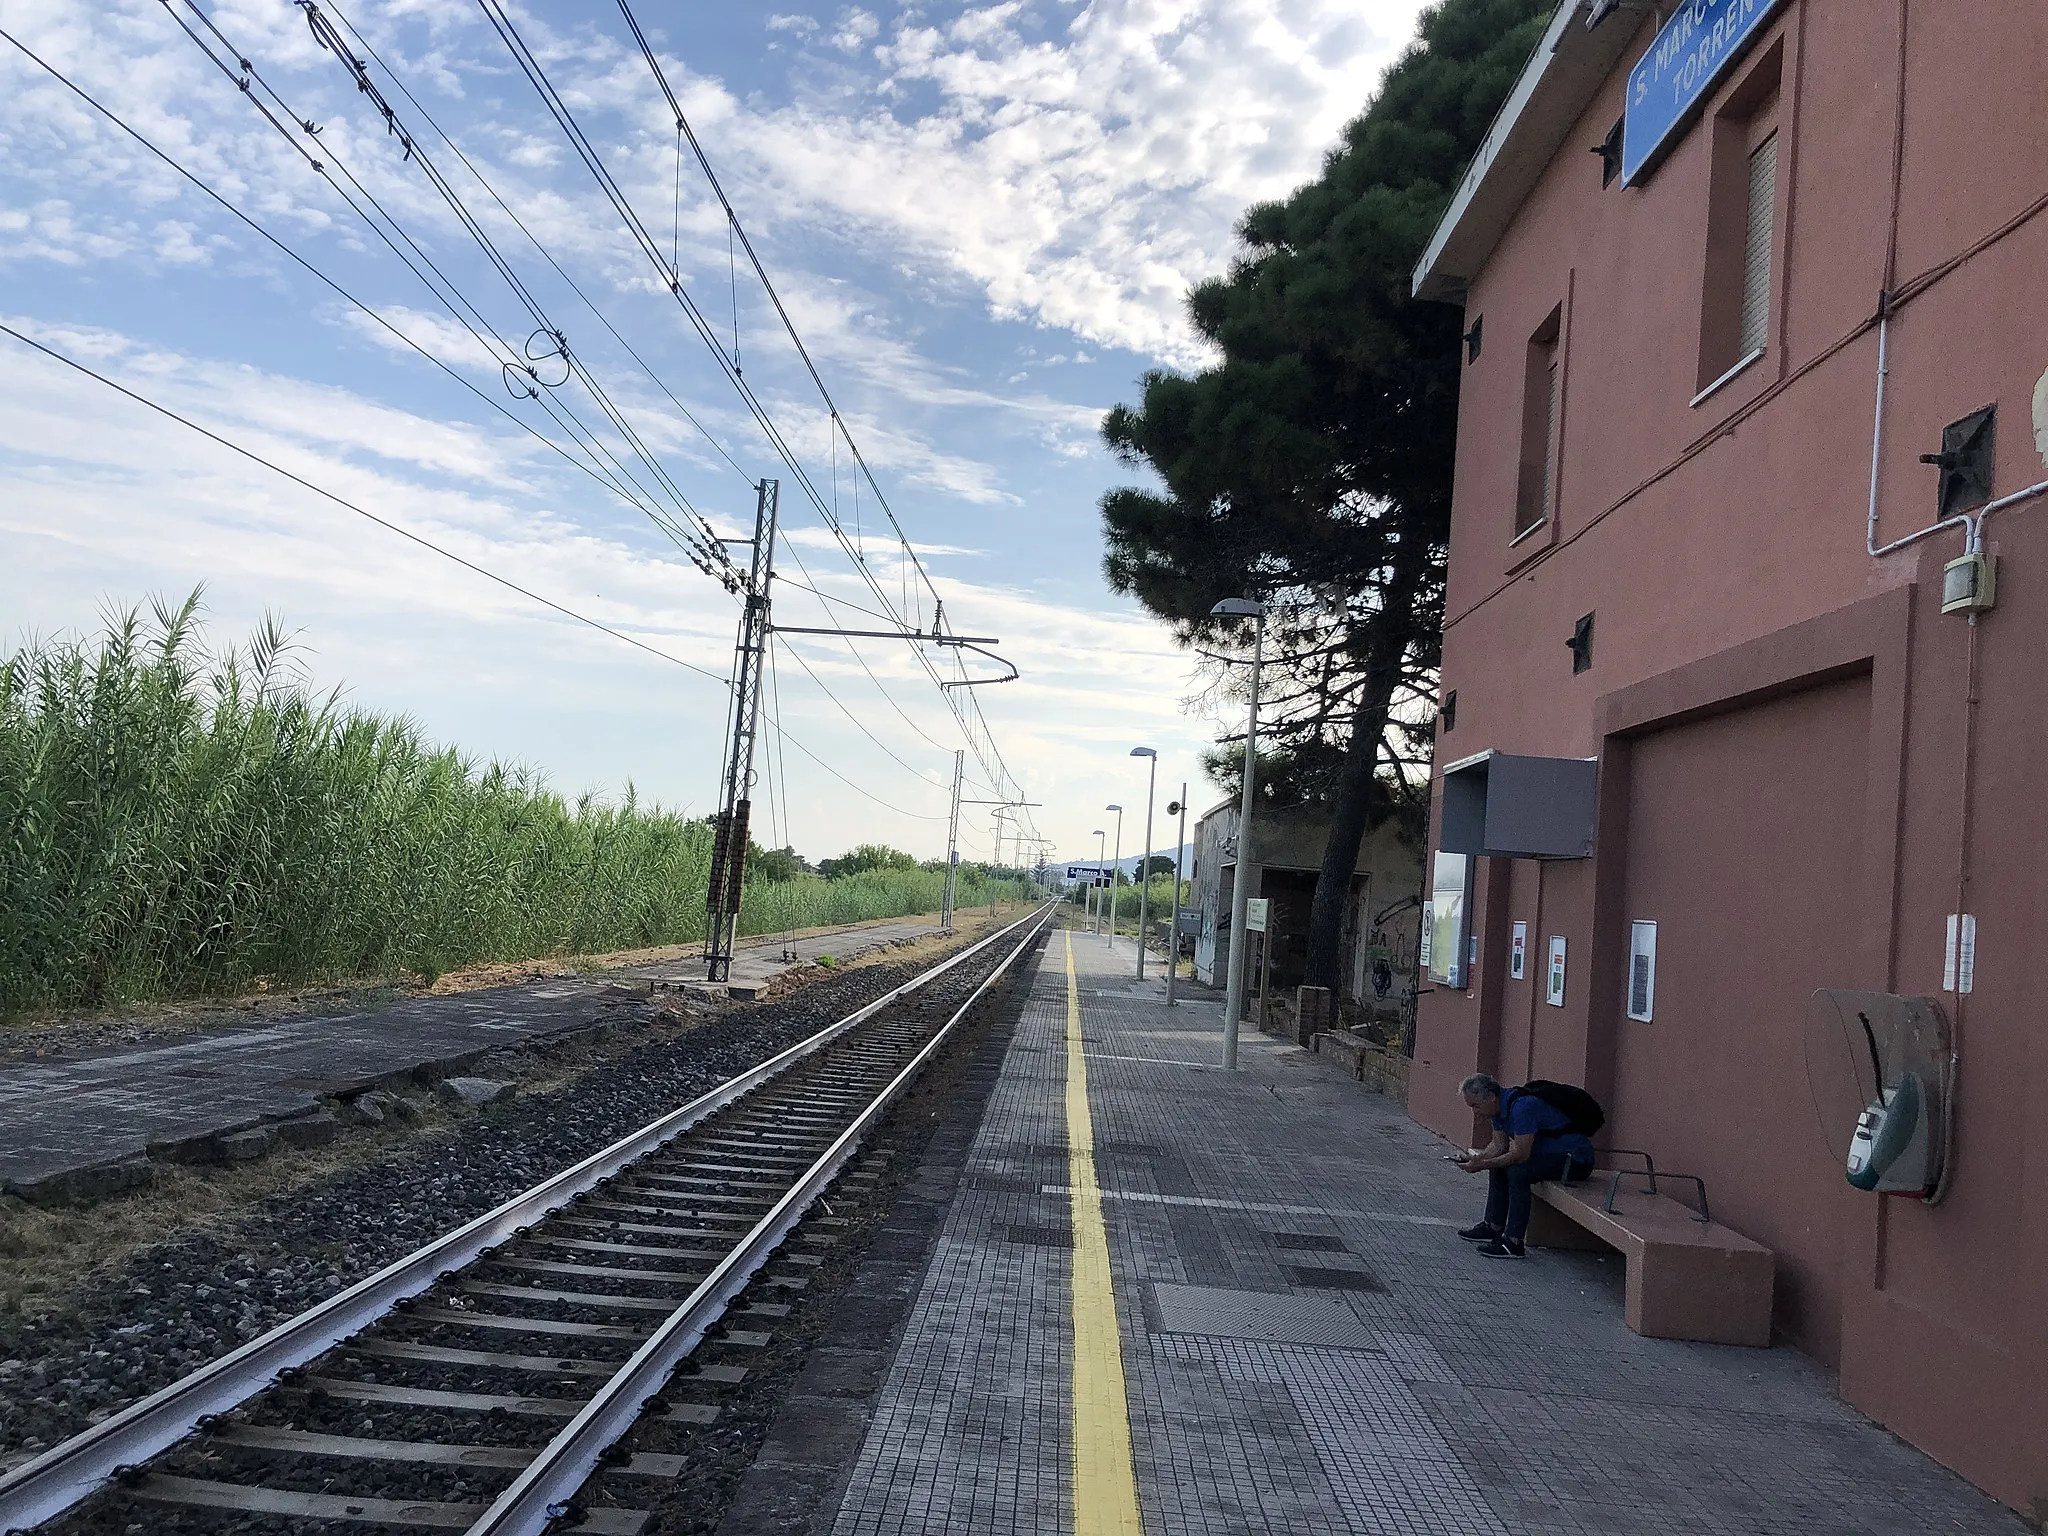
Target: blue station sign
[1700, 41]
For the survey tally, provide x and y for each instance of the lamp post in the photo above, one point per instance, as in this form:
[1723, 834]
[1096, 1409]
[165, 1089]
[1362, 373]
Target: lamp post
[1115, 868]
[1240, 889]
[1145, 869]
[1173, 929]
[1099, 836]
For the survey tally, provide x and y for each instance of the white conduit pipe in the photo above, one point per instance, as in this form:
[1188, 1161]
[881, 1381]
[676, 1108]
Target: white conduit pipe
[1971, 522]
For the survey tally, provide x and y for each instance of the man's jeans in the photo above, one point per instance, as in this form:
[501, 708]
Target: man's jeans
[1507, 1189]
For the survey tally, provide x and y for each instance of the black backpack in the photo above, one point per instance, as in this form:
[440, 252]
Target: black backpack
[1575, 1104]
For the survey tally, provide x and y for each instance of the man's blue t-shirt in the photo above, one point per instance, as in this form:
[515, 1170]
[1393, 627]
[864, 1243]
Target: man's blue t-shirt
[1523, 1114]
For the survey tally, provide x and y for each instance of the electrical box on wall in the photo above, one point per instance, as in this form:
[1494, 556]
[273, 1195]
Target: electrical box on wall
[1969, 584]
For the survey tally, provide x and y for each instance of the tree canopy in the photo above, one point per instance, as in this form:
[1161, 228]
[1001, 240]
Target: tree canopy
[864, 858]
[1310, 465]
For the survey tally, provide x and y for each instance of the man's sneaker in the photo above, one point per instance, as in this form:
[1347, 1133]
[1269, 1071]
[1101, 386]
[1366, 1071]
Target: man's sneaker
[1502, 1248]
[1482, 1233]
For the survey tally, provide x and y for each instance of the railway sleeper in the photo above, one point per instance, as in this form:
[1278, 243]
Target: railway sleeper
[707, 1186]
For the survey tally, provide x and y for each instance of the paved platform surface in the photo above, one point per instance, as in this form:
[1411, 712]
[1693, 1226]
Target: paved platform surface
[66, 1113]
[1305, 1344]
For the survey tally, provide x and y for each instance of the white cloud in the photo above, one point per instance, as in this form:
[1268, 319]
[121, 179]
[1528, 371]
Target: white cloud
[857, 28]
[1085, 181]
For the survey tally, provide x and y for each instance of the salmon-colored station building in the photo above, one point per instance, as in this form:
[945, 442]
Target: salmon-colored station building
[1710, 742]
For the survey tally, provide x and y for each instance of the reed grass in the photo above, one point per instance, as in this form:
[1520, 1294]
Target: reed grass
[179, 821]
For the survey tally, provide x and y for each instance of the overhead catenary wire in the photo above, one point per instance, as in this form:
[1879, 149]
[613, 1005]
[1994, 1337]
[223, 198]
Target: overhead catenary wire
[915, 772]
[736, 228]
[516, 363]
[853, 650]
[360, 511]
[783, 735]
[333, 41]
[449, 294]
[710, 438]
[912, 602]
[529, 63]
[620, 482]
[908, 558]
[593, 468]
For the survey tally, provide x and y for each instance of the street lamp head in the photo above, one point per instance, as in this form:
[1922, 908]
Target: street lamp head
[1112, 807]
[1238, 608]
[1143, 752]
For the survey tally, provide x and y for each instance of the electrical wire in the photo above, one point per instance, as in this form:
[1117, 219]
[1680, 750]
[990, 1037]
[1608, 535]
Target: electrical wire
[783, 735]
[854, 651]
[916, 773]
[535, 241]
[983, 744]
[472, 320]
[734, 226]
[343, 502]
[593, 468]
[518, 365]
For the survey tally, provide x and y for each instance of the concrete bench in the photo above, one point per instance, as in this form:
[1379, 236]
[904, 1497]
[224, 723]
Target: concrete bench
[1687, 1278]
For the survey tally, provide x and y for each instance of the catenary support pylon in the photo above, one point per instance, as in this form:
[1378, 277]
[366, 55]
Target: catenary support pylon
[730, 826]
[953, 845]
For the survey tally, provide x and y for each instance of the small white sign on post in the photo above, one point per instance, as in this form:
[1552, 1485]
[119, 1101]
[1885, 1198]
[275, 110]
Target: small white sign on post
[1255, 914]
[1518, 953]
[1554, 994]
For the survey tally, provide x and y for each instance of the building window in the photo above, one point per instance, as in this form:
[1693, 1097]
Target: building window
[1542, 381]
[1742, 228]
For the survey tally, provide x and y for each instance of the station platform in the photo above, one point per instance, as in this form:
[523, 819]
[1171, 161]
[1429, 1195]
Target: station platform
[1170, 1299]
[68, 1116]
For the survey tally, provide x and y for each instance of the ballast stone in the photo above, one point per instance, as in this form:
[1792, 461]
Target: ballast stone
[474, 1091]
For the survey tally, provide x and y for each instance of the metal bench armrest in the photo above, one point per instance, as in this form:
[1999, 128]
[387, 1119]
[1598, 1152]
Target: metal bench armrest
[1649, 1168]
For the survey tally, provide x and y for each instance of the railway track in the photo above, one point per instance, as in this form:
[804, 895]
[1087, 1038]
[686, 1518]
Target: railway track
[482, 1382]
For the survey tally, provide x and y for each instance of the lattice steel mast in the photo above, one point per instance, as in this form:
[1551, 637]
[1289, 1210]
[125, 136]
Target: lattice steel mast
[730, 825]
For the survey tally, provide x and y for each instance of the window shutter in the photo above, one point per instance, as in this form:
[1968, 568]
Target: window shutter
[1756, 257]
[1549, 434]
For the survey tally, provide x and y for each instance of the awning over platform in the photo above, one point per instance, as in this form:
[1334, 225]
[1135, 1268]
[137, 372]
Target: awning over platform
[1513, 807]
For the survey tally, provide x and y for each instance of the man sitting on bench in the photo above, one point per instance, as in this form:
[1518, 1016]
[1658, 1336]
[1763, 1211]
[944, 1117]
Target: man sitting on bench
[1536, 1135]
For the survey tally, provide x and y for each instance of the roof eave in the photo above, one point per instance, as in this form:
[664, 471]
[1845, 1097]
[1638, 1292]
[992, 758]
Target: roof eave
[1562, 77]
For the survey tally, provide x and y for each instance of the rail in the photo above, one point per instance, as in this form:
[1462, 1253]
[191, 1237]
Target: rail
[67, 1474]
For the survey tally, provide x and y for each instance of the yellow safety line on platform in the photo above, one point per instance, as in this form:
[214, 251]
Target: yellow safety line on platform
[1105, 1478]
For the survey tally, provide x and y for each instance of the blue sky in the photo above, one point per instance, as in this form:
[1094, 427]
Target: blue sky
[983, 219]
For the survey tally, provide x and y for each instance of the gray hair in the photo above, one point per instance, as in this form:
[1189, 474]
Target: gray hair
[1479, 1086]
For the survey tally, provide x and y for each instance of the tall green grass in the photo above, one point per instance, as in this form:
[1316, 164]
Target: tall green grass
[1123, 901]
[177, 821]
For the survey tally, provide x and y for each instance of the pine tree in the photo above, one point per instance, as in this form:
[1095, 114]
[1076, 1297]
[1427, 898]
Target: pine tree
[1311, 465]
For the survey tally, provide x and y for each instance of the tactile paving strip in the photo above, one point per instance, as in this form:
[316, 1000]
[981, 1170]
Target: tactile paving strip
[1260, 1317]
